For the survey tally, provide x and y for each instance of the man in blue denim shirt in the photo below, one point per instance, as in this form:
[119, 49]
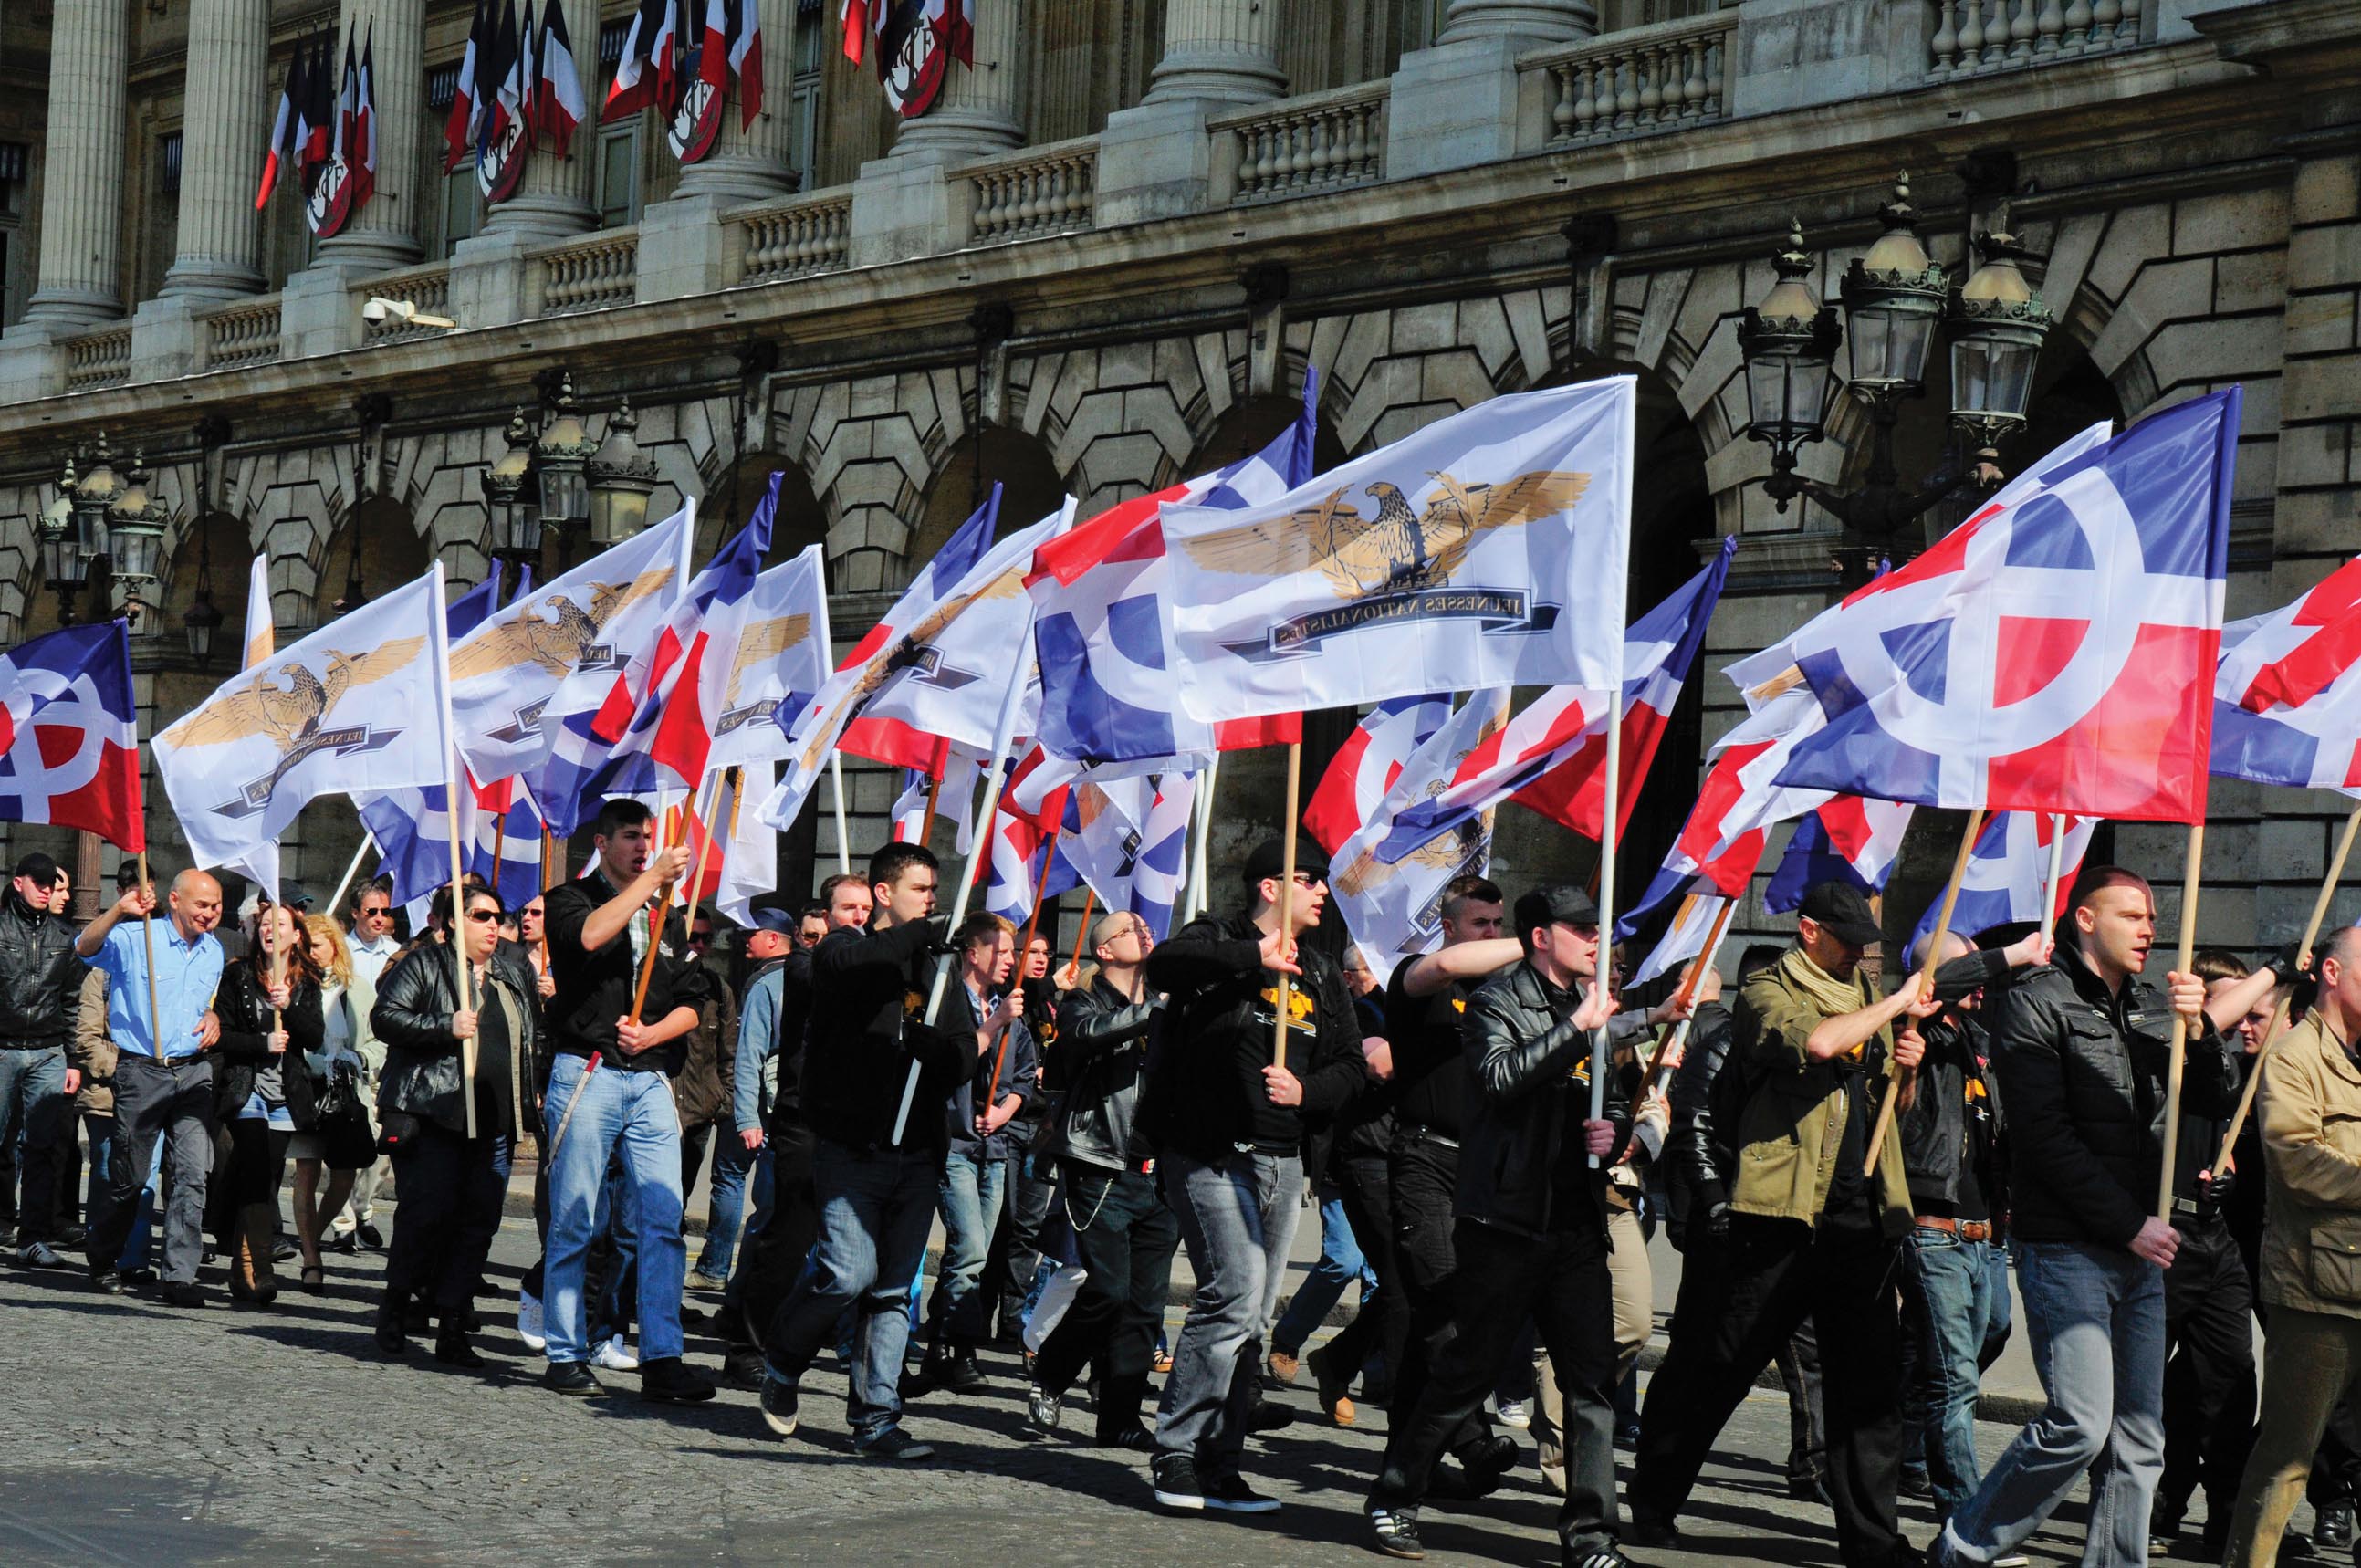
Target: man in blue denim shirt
[163, 1084]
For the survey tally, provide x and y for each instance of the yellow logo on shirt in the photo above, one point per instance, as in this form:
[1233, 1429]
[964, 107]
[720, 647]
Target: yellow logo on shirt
[1459, 1004]
[1299, 1007]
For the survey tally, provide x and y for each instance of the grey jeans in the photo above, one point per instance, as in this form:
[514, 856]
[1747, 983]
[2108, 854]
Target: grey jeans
[173, 1101]
[2095, 1316]
[33, 1104]
[1238, 1218]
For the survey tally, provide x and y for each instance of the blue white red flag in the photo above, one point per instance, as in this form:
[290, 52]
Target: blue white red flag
[1850, 839]
[1721, 842]
[1552, 758]
[2286, 701]
[1367, 764]
[1684, 939]
[1487, 549]
[909, 814]
[554, 655]
[782, 660]
[1107, 691]
[69, 734]
[1394, 910]
[898, 643]
[2006, 870]
[2054, 652]
[1160, 873]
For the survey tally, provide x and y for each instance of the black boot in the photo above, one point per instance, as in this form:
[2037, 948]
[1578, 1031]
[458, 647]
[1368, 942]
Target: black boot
[392, 1337]
[451, 1349]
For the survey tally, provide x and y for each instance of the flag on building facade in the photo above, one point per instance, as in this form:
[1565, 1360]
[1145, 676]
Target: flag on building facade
[558, 105]
[1487, 549]
[69, 734]
[285, 148]
[746, 57]
[2054, 652]
[459, 127]
[646, 71]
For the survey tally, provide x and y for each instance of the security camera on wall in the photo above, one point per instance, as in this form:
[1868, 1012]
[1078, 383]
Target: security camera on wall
[377, 308]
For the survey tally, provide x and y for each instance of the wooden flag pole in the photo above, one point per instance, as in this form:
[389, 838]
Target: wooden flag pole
[1678, 1035]
[1287, 830]
[548, 863]
[664, 894]
[1082, 938]
[934, 798]
[2302, 961]
[1923, 980]
[2174, 1066]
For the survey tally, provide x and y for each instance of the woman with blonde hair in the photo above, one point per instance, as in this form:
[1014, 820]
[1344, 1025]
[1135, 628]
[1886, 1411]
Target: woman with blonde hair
[338, 1137]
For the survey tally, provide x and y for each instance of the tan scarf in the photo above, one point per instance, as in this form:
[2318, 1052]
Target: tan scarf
[1832, 997]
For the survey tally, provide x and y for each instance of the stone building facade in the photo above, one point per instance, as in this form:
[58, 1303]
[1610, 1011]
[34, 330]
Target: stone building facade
[1112, 253]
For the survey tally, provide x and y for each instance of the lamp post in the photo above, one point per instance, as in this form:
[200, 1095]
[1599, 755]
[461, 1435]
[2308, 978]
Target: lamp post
[556, 479]
[561, 460]
[135, 549]
[1895, 298]
[622, 478]
[516, 520]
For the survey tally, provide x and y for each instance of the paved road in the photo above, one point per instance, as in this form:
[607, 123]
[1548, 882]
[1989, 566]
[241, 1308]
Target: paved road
[135, 1434]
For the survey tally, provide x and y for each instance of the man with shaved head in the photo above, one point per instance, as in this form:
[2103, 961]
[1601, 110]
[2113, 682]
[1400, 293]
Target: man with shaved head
[163, 1082]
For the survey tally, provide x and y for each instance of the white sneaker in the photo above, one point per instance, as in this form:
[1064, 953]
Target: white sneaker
[529, 1322]
[1516, 1413]
[611, 1356]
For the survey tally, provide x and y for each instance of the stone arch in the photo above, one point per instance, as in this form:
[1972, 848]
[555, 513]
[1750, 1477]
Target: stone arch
[872, 448]
[800, 522]
[1031, 488]
[375, 545]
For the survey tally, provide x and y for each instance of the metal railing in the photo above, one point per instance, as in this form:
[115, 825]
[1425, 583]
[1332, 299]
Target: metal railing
[1045, 190]
[242, 335]
[100, 359]
[1632, 83]
[1326, 142]
[1976, 38]
[595, 274]
[795, 239]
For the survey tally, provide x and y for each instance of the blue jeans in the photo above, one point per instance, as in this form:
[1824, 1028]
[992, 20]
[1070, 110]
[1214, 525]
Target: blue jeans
[875, 1209]
[725, 1212]
[2096, 1315]
[33, 1105]
[970, 1196]
[1956, 1295]
[1237, 1218]
[1340, 1264]
[633, 1113]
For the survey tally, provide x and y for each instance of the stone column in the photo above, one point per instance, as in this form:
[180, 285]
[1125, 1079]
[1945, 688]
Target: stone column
[749, 164]
[1223, 51]
[81, 176]
[552, 195]
[219, 251]
[977, 113]
[1529, 21]
[384, 234]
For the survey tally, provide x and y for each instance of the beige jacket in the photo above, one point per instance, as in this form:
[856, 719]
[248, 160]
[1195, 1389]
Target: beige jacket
[2310, 1104]
[91, 1049]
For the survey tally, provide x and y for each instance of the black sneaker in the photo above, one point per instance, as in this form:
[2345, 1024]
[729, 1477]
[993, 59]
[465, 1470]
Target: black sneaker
[1042, 1407]
[1137, 1440]
[1267, 1417]
[894, 1443]
[961, 1373]
[184, 1293]
[1920, 1483]
[742, 1369]
[106, 1282]
[451, 1349]
[1175, 1478]
[571, 1377]
[1397, 1533]
[1485, 1462]
[1645, 1531]
[1604, 1557]
[779, 1405]
[40, 1254]
[1230, 1494]
[668, 1378]
[371, 1237]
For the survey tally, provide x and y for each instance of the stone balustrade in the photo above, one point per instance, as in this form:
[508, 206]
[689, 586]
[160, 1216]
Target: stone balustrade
[97, 359]
[793, 239]
[242, 335]
[1976, 38]
[1633, 83]
[428, 287]
[1047, 190]
[1324, 142]
[595, 274]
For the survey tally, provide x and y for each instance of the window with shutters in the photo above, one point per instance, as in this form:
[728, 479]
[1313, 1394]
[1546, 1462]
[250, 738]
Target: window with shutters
[803, 129]
[618, 193]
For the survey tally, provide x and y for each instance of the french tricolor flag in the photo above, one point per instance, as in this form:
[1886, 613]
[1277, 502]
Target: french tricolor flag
[2287, 700]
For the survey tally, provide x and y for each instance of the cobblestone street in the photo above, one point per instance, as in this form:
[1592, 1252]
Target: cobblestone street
[141, 1435]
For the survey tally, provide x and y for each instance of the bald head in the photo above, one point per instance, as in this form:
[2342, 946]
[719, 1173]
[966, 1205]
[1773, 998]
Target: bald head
[1954, 947]
[196, 903]
[2343, 945]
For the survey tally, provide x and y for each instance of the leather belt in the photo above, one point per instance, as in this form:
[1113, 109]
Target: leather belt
[1966, 1230]
[2195, 1209]
[1421, 1129]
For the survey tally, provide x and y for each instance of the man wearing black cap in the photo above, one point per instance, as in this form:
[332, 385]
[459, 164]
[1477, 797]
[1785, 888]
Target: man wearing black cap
[1812, 1232]
[40, 983]
[1532, 1236]
[1234, 1128]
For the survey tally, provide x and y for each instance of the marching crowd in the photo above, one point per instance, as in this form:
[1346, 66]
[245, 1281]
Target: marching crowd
[1847, 1170]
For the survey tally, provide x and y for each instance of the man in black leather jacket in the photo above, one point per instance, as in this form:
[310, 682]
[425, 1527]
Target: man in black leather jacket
[1124, 1229]
[40, 981]
[2083, 1044]
[1532, 1238]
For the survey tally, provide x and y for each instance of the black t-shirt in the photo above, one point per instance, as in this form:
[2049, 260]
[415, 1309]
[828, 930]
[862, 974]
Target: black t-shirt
[595, 989]
[1277, 1129]
[1430, 1069]
[1848, 1187]
[495, 1089]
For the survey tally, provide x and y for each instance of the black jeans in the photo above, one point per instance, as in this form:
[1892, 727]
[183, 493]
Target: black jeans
[1126, 1235]
[452, 1187]
[2209, 1383]
[770, 1258]
[1381, 1326]
[174, 1101]
[1029, 1227]
[1561, 1282]
[1780, 1273]
[1423, 1171]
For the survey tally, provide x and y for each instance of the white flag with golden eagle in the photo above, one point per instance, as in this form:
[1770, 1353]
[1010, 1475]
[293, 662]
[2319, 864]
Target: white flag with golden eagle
[1486, 550]
[777, 664]
[360, 705]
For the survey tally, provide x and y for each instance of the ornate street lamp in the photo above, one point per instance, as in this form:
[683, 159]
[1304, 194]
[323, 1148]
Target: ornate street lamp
[1789, 343]
[63, 570]
[1998, 323]
[1893, 298]
[135, 541]
[99, 490]
[508, 498]
[621, 479]
[202, 617]
[560, 461]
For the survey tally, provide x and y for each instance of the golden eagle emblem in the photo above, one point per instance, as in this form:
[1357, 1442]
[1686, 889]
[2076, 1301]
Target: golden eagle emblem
[761, 642]
[1397, 551]
[910, 649]
[555, 632]
[290, 713]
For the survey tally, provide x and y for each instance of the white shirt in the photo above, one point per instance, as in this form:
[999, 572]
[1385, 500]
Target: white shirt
[370, 956]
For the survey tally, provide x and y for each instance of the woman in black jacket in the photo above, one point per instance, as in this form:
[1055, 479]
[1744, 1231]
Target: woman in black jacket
[451, 1099]
[269, 1009]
